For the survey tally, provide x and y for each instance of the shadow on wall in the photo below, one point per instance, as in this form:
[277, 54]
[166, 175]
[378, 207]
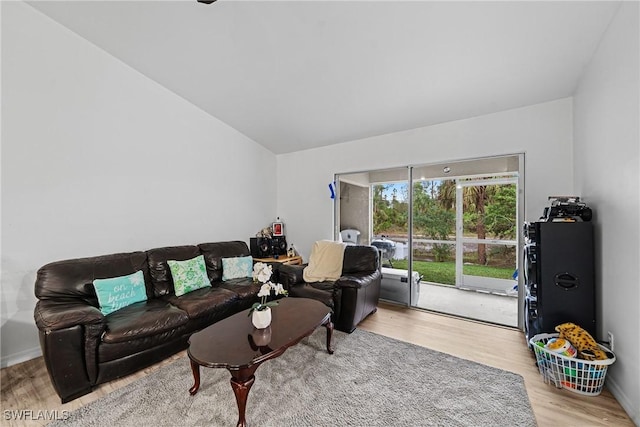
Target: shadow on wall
[18, 333]
[19, 342]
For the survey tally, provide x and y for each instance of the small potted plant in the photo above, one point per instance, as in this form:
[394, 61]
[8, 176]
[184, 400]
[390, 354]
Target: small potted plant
[261, 311]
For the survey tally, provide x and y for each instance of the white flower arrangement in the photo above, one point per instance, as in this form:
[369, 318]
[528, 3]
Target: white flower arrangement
[262, 273]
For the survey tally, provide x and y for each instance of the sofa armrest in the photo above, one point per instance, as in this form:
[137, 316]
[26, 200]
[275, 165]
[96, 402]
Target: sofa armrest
[70, 331]
[291, 275]
[52, 315]
[358, 280]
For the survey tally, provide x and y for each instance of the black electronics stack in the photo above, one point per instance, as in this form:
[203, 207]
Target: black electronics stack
[558, 266]
[268, 247]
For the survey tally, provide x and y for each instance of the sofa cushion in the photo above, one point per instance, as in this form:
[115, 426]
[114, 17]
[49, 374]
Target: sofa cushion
[161, 280]
[204, 302]
[127, 351]
[121, 358]
[188, 275]
[118, 292]
[321, 291]
[143, 319]
[74, 278]
[360, 259]
[237, 267]
[214, 252]
[246, 289]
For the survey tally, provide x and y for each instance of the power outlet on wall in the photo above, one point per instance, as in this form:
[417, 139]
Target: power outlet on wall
[610, 339]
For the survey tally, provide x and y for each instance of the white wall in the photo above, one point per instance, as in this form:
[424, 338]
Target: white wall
[607, 161]
[97, 158]
[543, 132]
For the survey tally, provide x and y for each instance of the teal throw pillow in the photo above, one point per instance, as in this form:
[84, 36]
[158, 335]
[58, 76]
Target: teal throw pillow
[237, 267]
[189, 275]
[118, 292]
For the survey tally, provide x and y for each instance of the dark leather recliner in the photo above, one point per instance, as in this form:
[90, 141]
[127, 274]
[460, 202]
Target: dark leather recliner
[352, 297]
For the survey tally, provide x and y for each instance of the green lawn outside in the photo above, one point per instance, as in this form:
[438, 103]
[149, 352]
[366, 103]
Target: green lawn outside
[445, 272]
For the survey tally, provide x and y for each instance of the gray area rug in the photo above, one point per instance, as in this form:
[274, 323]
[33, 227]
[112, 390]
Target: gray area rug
[371, 380]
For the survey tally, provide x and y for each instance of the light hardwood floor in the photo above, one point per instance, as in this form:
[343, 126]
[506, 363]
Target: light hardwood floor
[26, 386]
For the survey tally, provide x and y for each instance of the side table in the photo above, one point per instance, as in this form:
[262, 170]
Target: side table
[284, 260]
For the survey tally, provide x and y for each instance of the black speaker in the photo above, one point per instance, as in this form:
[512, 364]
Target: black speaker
[260, 247]
[279, 244]
[559, 277]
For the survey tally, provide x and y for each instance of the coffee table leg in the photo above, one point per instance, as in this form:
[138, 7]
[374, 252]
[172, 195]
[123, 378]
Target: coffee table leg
[241, 382]
[195, 368]
[329, 326]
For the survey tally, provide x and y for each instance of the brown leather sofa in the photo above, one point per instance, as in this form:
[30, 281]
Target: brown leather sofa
[352, 297]
[83, 348]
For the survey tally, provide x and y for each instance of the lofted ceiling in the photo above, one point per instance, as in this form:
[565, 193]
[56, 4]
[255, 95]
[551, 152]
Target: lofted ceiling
[294, 75]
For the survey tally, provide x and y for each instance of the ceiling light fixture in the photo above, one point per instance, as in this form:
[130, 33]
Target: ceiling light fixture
[206, 1]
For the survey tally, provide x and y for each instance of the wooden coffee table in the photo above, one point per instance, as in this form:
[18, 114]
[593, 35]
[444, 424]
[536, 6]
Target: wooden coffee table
[235, 344]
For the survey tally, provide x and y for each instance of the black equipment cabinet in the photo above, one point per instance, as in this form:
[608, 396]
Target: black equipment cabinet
[559, 276]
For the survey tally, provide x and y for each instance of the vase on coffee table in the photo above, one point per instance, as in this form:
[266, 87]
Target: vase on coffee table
[261, 318]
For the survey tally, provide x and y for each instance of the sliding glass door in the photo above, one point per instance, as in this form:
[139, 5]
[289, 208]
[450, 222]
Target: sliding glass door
[433, 231]
[486, 229]
[446, 233]
[374, 206]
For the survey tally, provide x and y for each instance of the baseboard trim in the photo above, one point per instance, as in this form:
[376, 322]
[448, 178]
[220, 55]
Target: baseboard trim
[23, 356]
[624, 401]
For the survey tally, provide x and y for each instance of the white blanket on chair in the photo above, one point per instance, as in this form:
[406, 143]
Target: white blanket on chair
[325, 261]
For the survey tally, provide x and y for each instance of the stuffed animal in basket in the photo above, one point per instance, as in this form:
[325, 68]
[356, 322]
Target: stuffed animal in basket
[588, 348]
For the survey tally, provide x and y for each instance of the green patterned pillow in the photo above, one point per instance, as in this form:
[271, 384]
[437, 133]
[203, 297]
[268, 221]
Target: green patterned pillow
[189, 275]
[237, 267]
[118, 292]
